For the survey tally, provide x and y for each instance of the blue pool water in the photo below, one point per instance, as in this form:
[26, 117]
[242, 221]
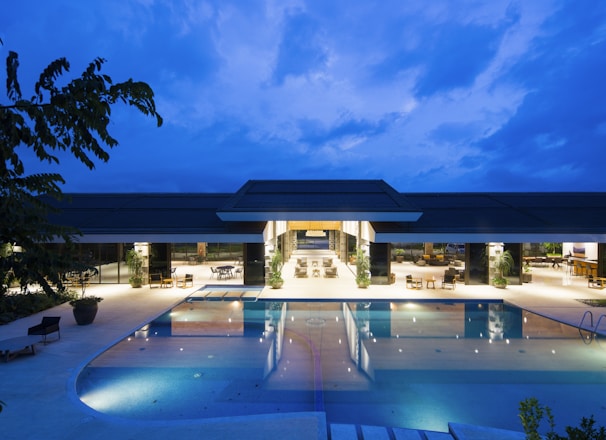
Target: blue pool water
[415, 365]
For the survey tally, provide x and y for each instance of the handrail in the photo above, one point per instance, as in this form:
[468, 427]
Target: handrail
[588, 340]
[587, 312]
[595, 329]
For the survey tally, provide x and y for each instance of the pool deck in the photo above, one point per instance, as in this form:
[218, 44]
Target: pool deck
[38, 390]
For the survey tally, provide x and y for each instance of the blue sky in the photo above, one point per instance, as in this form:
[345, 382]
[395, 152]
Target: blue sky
[427, 95]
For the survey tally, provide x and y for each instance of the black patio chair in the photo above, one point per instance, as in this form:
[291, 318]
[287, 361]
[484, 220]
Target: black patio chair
[449, 280]
[413, 283]
[155, 279]
[49, 324]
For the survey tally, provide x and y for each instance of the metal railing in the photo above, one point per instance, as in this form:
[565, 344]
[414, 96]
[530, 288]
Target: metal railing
[592, 329]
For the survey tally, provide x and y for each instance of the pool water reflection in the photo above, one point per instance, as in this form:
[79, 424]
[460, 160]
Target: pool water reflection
[415, 365]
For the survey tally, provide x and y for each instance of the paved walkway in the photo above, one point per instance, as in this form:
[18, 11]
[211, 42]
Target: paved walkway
[38, 390]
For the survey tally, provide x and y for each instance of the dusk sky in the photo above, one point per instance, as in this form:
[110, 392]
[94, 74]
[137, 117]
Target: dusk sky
[429, 95]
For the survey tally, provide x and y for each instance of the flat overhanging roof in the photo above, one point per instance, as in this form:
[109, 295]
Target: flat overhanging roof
[395, 217]
[160, 218]
[330, 200]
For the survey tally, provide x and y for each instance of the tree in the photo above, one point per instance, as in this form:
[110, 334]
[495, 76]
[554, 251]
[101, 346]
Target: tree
[72, 117]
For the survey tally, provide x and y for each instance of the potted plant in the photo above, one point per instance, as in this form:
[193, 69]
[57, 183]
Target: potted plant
[362, 269]
[275, 277]
[399, 255]
[527, 274]
[85, 307]
[134, 260]
[503, 265]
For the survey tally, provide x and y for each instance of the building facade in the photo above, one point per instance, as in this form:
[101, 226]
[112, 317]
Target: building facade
[268, 216]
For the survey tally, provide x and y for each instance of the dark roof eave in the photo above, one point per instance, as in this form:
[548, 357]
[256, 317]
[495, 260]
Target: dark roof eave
[373, 216]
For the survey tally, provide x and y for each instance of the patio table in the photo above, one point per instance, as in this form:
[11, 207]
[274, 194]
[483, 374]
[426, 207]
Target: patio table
[225, 272]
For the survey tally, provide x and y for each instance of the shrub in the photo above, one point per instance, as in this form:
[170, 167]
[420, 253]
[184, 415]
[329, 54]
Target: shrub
[13, 307]
[532, 413]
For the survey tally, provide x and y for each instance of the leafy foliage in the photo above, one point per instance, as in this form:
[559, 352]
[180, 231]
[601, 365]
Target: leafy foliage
[553, 248]
[276, 265]
[17, 306]
[503, 264]
[134, 260]
[532, 413]
[73, 117]
[85, 301]
[362, 268]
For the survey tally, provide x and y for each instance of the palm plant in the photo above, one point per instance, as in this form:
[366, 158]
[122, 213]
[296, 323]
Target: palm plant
[503, 264]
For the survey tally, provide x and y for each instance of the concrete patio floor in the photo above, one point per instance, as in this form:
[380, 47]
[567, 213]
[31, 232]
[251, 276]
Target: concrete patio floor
[38, 390]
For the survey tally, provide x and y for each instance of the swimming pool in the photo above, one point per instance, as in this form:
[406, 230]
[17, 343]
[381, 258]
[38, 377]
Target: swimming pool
[415, 365]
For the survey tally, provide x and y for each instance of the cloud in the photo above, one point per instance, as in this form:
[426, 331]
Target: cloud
[436, 95]
[458, 55]
[301, 50]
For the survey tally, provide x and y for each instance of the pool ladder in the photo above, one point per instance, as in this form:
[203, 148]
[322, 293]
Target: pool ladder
[594, 329]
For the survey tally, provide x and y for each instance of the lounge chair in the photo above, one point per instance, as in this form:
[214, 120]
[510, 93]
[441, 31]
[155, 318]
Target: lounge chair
[155, 279]
[331, 272]
[184, 281]
[9, 348]
[595, 283]
[449, 280]
[413, 283]
[300, 272]
[49, 324]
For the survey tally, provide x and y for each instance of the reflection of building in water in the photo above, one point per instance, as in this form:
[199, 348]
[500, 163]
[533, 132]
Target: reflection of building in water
[493, 320]
[496, 321]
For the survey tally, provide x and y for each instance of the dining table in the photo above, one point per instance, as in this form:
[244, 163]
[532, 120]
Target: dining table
[225, 272]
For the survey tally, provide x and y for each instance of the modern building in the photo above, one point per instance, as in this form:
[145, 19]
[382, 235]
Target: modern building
[267, 216]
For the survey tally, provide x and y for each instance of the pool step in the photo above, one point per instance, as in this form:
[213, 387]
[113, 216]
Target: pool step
[457, 431]
[365, 432]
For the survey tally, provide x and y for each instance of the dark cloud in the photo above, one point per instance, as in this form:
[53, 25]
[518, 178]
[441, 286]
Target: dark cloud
[315, 133]
[454, 56]
[552, 141]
